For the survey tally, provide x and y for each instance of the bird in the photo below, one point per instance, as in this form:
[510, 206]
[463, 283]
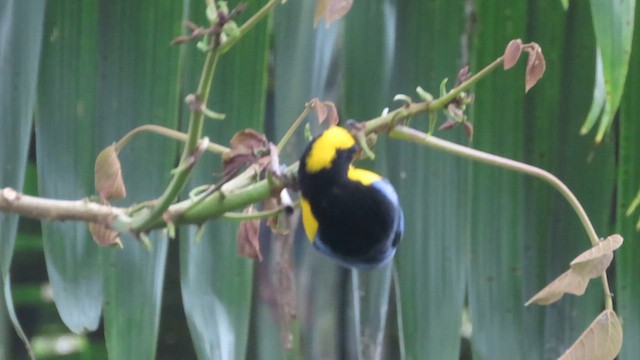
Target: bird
[350, 214]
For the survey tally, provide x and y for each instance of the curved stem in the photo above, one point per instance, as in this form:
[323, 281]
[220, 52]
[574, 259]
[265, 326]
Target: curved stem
[166, 132]
[407, 133]
[294, 126]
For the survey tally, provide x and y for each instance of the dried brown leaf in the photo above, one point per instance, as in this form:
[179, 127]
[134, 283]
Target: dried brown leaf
[331, 10]
[108, 175]
[324, 110]
[512, 54]
[248, 239]
[602, 340]
[593, 262]
[535, 66]
[104, 235]
[246, 147]
[569, 282]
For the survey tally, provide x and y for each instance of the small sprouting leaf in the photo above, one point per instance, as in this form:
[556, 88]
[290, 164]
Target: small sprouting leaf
[535, 66]
[593, 262]
[602, 340]
[108, 175]
[406, 99]
[468, 129]
[569, 282]
[331, 10]
[248, 239]
[104, 235]
[512, 54]
[449, 124]
[424, 95]
[463, 75]
[324, 110]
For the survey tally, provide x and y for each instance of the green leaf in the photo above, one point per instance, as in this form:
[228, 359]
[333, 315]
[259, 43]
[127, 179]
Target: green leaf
[216, 281]
[20, 48]
[613, 26]
[432, 186]
[65, 150]
[627, 290]
[137, 83]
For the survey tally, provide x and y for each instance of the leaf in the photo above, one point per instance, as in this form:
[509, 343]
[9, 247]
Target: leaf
[598, 98]
[613, 24]
[569, 282]
[20, 41]
[512, 53]
[247, 146]
[331, 10]
[108, 175]
[590, 264]
[326, 109]
[602, 340]
[535, 66]
[66, 147]
[248, 237]
[104, 235]
[593, 262]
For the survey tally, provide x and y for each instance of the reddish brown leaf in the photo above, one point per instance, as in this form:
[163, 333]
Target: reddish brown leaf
[325, 109]
[246, 147]
[248, 239]
[108, 175]
[463, 75]
[331, 10]
[535, 66]
[449, 124]
[104, 235]
[468, 128]
[512, 54]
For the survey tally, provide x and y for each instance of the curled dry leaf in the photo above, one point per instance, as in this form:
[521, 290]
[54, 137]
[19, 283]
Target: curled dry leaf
[535, 66]
[331, 10]
[248, 239]
[593, 262]
[569, 282]
[512, 54]
[246, 147]
[108, 175]
[104, 235]
[590, 264]
[324, 110]
[602, 340]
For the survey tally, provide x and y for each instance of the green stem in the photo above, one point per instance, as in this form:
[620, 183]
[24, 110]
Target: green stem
[196, 121]
[293, 127]
[166, 132]
[412, 109]
[248, 25]
[256, 215]
[407, 133]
